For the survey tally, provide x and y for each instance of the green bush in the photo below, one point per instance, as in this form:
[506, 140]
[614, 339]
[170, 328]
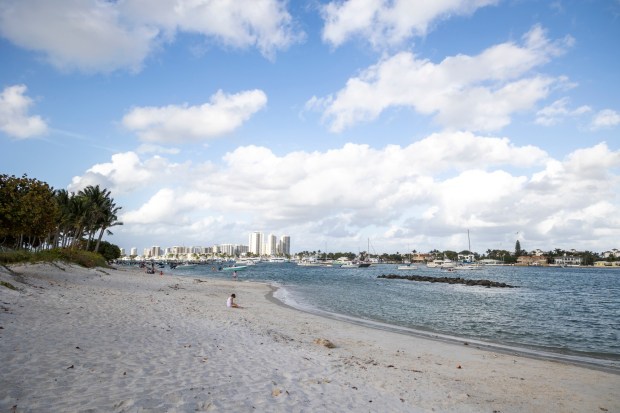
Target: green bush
[84, 258]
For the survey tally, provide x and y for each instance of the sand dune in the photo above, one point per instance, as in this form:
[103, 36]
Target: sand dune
[74, 339]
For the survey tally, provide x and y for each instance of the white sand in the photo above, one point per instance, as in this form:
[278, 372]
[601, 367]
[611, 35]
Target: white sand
[74, 339]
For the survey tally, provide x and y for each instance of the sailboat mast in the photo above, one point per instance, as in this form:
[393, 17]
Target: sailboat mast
[468, 242]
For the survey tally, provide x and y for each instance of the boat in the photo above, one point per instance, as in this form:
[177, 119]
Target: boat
[247, 261]
[356, 264]
[184, 266]
[407, 267]
[235, 268]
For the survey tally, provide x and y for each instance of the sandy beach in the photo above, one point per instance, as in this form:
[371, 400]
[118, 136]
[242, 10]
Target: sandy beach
[119, 340]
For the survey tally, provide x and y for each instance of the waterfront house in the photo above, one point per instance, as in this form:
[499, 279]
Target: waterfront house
[536, 260]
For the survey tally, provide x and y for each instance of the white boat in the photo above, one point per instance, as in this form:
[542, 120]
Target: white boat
[447, 263]
[185, 266]
[235, 268]
[356, 264]
[469, 267]
[246, 262]
[407, 267]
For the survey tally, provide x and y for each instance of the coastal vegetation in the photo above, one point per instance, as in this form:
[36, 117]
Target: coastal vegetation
[586, 258]
[40, 223]
[83, 258]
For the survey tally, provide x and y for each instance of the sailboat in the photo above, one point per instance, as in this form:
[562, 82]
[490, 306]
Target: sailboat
[409, 266]
[470, 265]
[358, 263]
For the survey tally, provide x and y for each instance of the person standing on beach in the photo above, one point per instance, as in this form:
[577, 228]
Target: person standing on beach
[234, 275]
[230, 303]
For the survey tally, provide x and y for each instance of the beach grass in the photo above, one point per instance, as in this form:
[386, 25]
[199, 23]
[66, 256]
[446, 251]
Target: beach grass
[83, 258]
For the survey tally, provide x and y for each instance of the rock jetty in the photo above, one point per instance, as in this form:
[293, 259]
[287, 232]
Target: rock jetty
[447, 280]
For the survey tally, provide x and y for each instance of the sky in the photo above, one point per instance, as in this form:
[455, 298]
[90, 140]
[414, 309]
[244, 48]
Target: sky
[404, 124]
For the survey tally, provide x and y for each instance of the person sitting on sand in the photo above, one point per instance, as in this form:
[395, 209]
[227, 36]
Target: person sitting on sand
[231, 302]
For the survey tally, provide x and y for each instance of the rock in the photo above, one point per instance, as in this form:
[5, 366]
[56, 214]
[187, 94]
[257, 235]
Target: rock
[447, 280]
[324, 342]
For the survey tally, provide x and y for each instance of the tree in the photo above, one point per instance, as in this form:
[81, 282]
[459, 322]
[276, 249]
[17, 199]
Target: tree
[34, 215]
[518, 251]
[28, 212]
[100, 213]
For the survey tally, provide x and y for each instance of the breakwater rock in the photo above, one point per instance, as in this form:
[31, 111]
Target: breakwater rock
[448, 280]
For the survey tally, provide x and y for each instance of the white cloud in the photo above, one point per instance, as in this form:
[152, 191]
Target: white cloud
[14, 118]
[73, 34]
[387, 23]
[607, 118]
[127, 172]
[428, 192]
[223, 114]
[103, 36]
[264, 24]
[558, 111]
[462, 92]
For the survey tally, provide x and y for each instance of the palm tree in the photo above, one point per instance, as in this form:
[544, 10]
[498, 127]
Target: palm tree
[78, 218]
[97, 205]
[100, 214]
[64, 224]
[109, 220]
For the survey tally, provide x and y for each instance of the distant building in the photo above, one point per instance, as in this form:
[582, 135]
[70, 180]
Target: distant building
[134, 251]
[422, 258]
[466, 257]
[538, 260]
[271, 245]
[607, 263]
[567, 261]
[284, 247]
[232, 250]
[255, 243]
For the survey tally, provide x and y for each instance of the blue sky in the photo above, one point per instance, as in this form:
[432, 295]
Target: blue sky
[329, 121]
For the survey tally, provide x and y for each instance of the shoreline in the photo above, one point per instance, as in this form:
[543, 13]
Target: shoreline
[116, 340]
[600, 364]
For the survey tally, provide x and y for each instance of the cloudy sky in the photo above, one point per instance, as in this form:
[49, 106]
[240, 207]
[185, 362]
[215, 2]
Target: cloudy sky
[400, 121]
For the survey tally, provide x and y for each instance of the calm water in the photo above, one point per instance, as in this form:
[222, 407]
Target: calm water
[569, 312]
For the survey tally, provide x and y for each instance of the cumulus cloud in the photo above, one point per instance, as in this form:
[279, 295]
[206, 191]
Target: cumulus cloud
[442, 184]
[15, 120]
[126, 172]
[558, 111]
[73, 34]
[103, 36]
[607, 118]
[386, 23]
[462, 92]
[223, 114]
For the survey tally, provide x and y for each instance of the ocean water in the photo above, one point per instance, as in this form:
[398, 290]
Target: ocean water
[570, 313]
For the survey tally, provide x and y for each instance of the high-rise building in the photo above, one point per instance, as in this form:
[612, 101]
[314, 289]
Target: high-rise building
[255, 244]
[271, 245]
[134, 251]
[285, 245]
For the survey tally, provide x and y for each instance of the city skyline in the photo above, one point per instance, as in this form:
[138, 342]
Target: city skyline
[334, 121]
[271, 247]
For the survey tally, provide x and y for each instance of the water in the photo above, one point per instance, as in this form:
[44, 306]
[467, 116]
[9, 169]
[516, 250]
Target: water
[571, 313]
